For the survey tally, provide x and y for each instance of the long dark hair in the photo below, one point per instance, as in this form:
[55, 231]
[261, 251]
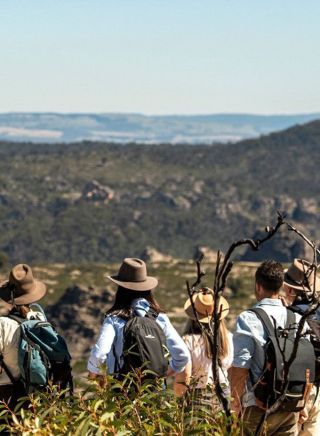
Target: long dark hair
[193, 328]
[123, 299]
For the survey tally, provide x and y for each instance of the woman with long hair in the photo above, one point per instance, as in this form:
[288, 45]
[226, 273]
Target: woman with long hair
[197, 378]
[134, 298]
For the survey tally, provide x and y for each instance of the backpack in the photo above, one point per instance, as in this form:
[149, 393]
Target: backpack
[314, 326]
[301, 373]
[43, 355]
[144, 346]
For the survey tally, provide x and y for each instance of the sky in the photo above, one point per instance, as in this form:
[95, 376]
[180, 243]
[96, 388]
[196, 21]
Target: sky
[160, 56]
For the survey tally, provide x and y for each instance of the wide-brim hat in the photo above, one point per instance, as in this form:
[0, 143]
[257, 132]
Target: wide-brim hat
[204, 305]
[22, 287]
[301, 276]
[133, 275]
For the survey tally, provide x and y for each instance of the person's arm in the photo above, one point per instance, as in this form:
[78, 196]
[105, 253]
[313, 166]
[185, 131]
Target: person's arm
[238, 379]
[182, 380]
[179, 353]
[243, 350]
[99, 352]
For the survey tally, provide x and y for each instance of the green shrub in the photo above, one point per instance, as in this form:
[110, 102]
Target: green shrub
[129, 407]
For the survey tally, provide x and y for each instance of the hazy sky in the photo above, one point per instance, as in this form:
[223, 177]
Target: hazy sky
[160, 56]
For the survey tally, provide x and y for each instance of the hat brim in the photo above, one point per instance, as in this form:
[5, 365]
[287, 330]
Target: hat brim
[206, 319]
[39, 291]
[293, 285]
[146, 285]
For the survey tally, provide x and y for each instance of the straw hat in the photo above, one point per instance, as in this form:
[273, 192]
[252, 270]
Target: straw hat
[204, 305]
[22, 287]
[133, 275]
[300, 276]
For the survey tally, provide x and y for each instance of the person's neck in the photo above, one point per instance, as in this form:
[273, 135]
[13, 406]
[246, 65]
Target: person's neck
[271, 296]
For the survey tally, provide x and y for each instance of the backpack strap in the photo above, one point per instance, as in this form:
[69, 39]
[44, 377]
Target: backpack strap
[16, 318]
[291, 322]
[151, 313]
[269, 327]
[264, 318]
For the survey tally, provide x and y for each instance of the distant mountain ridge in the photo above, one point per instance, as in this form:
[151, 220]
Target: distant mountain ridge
[126, 128]
[101, 201]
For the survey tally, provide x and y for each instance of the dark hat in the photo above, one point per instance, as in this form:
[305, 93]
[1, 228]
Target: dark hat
[204, 305]
[301, 275]
[22, 287]
[133, 275]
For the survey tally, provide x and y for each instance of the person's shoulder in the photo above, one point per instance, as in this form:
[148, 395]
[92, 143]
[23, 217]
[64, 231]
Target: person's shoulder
[248, 314]
[6, 322]
[247, 322]
[113, 320]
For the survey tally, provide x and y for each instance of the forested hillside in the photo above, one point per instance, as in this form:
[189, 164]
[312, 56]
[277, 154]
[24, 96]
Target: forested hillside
[100, 201]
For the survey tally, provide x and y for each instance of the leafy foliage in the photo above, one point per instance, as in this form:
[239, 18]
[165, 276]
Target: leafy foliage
[120, 408]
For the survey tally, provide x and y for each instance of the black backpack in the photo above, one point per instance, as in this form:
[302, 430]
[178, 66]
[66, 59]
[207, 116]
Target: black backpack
[301, 373]
[314, 331]
[144, 346]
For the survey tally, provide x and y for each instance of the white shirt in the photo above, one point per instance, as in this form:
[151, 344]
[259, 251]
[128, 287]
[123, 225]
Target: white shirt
[9, 344]
[202, 364]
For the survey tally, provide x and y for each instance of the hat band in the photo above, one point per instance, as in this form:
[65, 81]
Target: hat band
[131, 281]
[300, 283]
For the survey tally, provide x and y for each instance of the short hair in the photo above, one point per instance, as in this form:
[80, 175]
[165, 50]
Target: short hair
[270, 276]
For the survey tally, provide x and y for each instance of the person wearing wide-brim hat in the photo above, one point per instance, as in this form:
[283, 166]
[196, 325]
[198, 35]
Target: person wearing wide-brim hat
[16, 297]
[199, 372]
[134, 297]
[302, 287]
[301, 282]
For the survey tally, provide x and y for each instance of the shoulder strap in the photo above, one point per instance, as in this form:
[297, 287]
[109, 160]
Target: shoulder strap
[17, 318]
[264, 318]
[291, 319]
[151, 314]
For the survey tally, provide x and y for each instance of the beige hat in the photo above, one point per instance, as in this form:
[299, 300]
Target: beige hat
[300, 275]
[22, 287]
[133, 275]
[204, 305]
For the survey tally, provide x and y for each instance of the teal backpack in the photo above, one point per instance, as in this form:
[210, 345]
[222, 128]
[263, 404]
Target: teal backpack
[43, 355]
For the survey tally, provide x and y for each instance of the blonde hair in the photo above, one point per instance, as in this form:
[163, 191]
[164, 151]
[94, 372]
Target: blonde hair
[193, 327]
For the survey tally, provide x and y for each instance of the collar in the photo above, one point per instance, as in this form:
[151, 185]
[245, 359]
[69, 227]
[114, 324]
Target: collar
[269, 302]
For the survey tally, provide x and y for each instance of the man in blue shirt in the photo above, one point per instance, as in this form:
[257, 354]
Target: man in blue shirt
[249, 356]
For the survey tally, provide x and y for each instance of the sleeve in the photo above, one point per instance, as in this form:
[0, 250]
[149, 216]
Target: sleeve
[227, 362]
[243, 342]
[98, 355]
[179, 353]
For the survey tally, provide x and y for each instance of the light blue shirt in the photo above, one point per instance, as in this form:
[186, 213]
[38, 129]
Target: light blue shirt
[111, 339]
[250, 338]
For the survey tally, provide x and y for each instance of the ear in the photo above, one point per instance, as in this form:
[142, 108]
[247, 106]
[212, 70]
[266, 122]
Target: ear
[257, 287]
[292, 292]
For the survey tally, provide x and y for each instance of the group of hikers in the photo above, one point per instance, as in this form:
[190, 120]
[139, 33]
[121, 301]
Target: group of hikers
[137, 333]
